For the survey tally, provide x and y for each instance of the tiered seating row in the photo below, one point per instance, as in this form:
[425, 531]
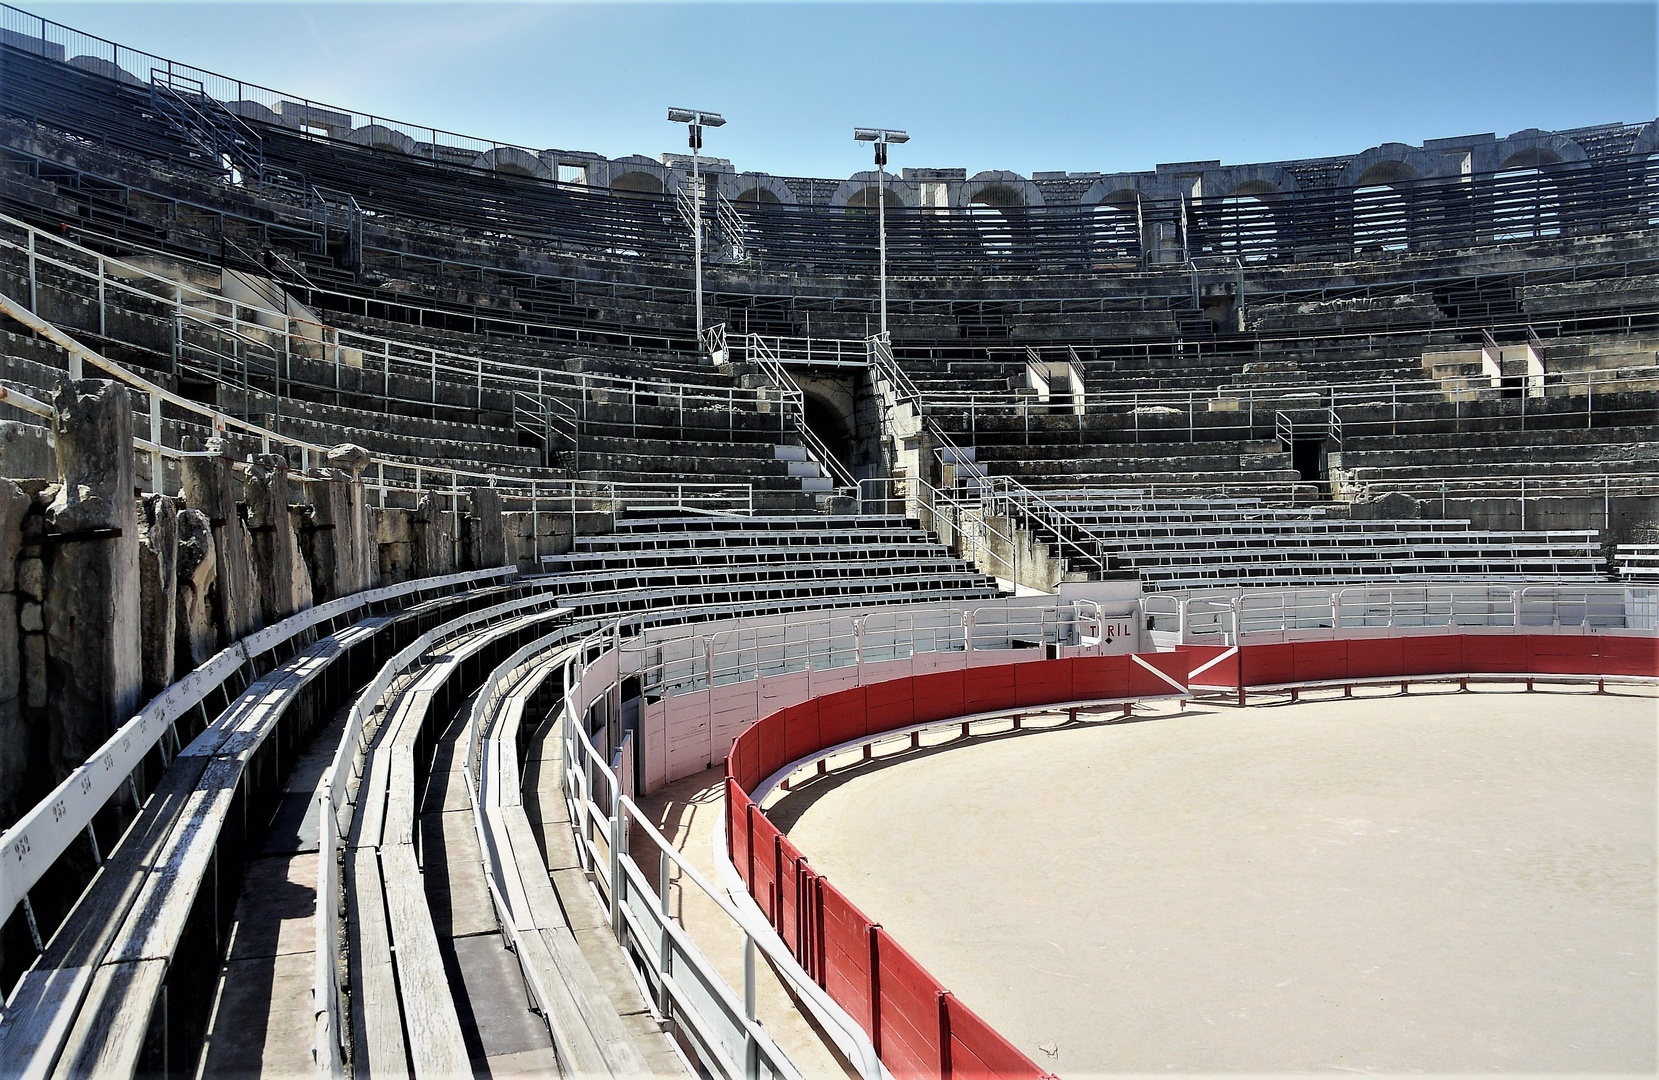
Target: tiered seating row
[127, 979]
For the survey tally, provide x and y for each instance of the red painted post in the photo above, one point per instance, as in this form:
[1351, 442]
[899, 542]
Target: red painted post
[1240, 655]
[944, 1035]
[821, 972]
[875, 989]
[777, 875]
[749, 831]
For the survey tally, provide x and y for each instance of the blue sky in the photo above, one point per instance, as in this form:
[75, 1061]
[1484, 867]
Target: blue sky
[1072, 86]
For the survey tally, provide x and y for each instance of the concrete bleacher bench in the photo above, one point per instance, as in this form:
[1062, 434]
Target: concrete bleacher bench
[1637, 563]
[124, 978]
[402, 1009]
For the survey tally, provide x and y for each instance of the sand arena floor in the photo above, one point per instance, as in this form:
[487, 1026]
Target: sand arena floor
[1440, 883]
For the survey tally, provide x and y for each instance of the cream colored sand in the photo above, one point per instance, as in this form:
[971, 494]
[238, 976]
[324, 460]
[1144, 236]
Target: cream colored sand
[1441, 883]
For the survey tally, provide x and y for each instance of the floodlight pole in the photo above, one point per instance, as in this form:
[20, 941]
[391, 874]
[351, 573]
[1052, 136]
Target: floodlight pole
[879, 138]
[881, 227]
[695, 120]
[697, 222]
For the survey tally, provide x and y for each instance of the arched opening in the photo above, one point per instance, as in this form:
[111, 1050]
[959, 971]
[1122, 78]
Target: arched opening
[1382, 208]
[832, 429]
[1115, 228]
[1526, 204]
[1246, 225]
[637, 183]
[756, 196]
[995, 220]
[865, 199]
[509, 168]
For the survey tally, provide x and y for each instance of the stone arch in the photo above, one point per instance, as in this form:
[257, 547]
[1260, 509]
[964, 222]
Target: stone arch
[380, 137]
[830, 406]
[1381, 206]
[754, 188]
[252, 110]
[97, 65]
[1531, 148]
[998, 188]
[1525, 199]
[859, 190]
[1387, 164]
[512, 161]
[1247, 225]
[638, 175]
[1115, 226]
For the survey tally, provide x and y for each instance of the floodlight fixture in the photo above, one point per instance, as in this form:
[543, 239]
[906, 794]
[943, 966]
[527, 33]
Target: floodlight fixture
[695, 121]
[880, 139]
[696, 116]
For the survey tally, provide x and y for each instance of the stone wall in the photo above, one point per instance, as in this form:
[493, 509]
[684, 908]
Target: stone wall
[108, 594]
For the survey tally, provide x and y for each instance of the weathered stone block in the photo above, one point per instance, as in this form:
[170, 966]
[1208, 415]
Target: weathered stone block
[349, 457]
[486, 545]
[210, 486]
[30, 618]
[94, 672]
[11, 650]
[24, 450]
[34, 670]
[279, 569]
[158, 548]
[31, 577]
[14, 507]
[195, 629]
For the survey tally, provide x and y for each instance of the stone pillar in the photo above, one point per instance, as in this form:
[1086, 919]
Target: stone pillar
[323, 534]
[210, 486]
[394, 537]
[358, 551]
[279, 569]
[195, 626]
[158, 546]
[334, 538]
[486, 545]
[94, 670]
[16, 737]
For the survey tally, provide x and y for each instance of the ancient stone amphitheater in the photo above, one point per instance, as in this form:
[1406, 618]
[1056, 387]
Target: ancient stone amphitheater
[386, 528]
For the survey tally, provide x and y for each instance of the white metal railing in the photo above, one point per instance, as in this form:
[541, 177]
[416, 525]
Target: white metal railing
[681, 664]
[963, 527]
[1221, 616]
[811, 351]
[792, 400]
[725, 1028]
[406, 477]
[336, 808]
[276, 337]
[1004, 493]
[37, 839]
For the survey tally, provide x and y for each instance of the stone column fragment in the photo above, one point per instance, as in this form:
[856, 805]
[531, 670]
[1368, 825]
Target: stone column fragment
[94, 668]
[195, 627]
[486, 541]
[279, 570]
[210, 486]
[158, 543]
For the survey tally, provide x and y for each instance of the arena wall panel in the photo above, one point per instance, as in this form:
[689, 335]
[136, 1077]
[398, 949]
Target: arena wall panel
[918, 1027]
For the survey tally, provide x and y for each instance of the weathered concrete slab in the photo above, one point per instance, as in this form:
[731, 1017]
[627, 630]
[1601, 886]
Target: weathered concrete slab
[455, 888]
[275, 914]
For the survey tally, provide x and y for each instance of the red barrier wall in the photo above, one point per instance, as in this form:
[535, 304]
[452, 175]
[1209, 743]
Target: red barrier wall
[1436, 654]
[918, 1027]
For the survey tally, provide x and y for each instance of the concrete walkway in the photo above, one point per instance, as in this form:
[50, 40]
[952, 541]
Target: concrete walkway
[1442, 883]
